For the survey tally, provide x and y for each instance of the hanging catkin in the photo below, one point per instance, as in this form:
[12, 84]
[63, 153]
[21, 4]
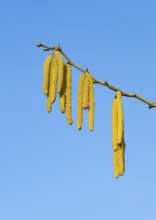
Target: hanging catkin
[114, 137]
[120, 118]
[86, 91]
[48, 104]
[60, 71]
[121, 158]
[118, 141]
[114, 124]
[62, 99]
[53, 80]
[91, 104]
[47, 64]
[68, 93]
[80, 102]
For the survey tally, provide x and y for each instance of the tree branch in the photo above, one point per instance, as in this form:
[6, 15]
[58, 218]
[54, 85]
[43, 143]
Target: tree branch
[105, 83]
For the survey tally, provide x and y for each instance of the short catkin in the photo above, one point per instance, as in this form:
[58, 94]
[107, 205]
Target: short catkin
[47, 64]
[69, 93]
[91, 104]
[80, 102]
[60, 71]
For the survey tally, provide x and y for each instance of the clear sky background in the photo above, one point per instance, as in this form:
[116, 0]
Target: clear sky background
[48, 169]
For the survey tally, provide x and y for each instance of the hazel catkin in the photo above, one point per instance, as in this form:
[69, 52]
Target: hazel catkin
[62, 99]
[86, 91]
[80, 102]
[60, 71]
[53, 80]
[120, 118]
[68, 93]
[47, 64]
[91, 104]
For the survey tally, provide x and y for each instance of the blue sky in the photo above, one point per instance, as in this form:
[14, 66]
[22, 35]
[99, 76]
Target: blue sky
[52, 171]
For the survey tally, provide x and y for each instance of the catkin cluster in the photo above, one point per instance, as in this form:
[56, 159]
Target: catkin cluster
[58, 79]
[85, 100]
[118, 141]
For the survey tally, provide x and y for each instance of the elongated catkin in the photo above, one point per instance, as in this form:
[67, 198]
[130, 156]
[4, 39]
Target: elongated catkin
[86, 91]
[62, 99]
[53, 80]
[114, 124]
[120, 118]
[69, 93]
[91, 104]
[118, 141]
[80, 102]
[116, 163]
[60, 71]
[48, 104]
[121, 158]
[47, 64]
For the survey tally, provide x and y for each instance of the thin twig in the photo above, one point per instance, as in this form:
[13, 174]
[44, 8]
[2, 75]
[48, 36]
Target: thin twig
[105, 83]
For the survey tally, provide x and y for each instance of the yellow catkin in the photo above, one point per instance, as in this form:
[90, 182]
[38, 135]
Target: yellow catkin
[60, 71]
[91, 104]
[69, 94]
[114, 124]
[80, 102]
[47, 64]
[116, 164]
[114, 137]
[121, 159]
[120, 118]
[48, 104]
[118, 134]
[86, 91]
[62, 99]
[53, 80]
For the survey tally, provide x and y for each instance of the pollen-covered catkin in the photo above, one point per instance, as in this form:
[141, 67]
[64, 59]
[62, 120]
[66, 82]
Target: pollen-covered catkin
[114, 124]
[121, 158]
[114, 137]
[91, 105]
[69, 93]
[120, 118]
[86, 91]
[116, 163]
[60, 71]
[48, 104]
[62, 99]
[53, 80]
[47, 64]
[80, 102]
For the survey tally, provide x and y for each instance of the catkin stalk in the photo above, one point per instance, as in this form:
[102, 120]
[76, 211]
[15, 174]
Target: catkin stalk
[68, 94]
[80, 102]
[60, 71]
[47, 64]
